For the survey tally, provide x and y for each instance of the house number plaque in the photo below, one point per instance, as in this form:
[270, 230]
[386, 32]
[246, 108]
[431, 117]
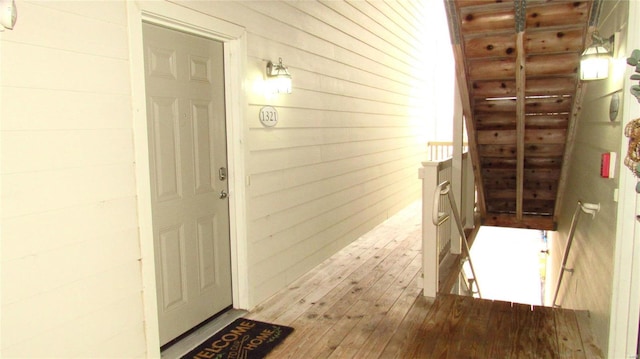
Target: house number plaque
[268, 116]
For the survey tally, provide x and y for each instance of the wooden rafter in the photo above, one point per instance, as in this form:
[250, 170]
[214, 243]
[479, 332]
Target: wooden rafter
[463, 85]
[520, 122]
[520, 14]
[528, 222]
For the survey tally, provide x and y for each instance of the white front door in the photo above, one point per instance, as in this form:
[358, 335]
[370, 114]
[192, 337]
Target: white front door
[188, 160]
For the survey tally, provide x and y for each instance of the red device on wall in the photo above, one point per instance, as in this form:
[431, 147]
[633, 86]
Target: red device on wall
[607, 165]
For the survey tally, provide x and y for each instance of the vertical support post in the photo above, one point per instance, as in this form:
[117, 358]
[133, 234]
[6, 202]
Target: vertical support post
[430, 258]
[468, 191]
[456, 165]
[521, 77]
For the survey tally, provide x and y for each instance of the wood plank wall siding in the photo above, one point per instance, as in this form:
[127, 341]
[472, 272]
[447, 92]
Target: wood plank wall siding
[343, 157]
[518, 63]
[71, 280]
[345, 153]
[596, 240]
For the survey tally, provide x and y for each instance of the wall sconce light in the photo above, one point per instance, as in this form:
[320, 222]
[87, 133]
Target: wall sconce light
[8, 14]
[278, 77]
[594, 64]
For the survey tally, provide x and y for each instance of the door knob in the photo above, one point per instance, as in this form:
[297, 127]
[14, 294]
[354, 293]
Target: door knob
[223, 194]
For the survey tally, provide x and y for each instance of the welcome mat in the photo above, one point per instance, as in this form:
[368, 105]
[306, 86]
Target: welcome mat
[242, 339]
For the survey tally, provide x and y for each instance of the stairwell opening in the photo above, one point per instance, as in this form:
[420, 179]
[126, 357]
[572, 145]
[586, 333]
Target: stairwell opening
[510, 264]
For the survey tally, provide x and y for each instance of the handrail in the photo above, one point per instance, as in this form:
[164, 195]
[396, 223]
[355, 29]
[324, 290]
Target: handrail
[438, 218]
[588, 208]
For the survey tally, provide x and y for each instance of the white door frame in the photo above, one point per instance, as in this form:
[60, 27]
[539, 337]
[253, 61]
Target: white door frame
[234, 38]
[625, 300]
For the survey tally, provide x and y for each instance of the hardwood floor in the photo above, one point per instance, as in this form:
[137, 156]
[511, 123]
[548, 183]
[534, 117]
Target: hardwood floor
[366, 302]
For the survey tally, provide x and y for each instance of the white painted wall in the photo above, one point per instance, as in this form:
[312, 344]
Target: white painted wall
[343, 158]
[71, 283]
[625, 306]
[591, 285]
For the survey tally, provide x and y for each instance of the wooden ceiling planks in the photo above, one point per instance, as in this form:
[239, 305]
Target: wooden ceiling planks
[558, 13]
[531, 136]
[518, 60]
[554, 41]
[506, 88]
[530, 163]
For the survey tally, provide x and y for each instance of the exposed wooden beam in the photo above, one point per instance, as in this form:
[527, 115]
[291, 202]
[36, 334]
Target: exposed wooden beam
[548, 86]
[520, 120]
[554, 40]
[543, 174]
[471, 131]
[533, 163]
[542, 194]
[530, 222]
[505, 121]
[549, 65]
[453, 13]
[545, 136]
[532, 105]
[498, 18]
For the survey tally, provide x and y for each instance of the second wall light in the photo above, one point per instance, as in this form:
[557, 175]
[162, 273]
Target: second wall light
[278, 77]
[594, 63]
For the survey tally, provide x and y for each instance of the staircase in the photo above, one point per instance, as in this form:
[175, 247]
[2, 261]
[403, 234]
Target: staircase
[466, 327]
[517, 70]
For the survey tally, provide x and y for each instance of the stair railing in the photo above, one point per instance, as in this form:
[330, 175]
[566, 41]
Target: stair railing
[439, 218]
[588, 208]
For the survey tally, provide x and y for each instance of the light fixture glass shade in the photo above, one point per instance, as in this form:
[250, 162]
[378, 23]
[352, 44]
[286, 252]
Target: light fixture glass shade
[281, 83]
[278, 77]
[594, 64]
